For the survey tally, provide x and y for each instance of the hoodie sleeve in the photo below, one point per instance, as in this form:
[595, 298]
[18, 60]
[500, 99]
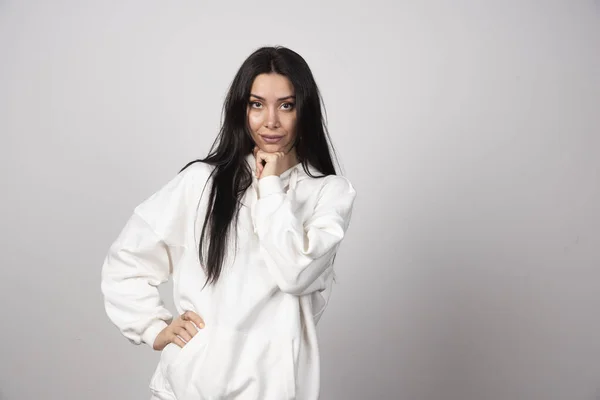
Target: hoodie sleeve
[144, 255]
[299, 255]
[137, 262]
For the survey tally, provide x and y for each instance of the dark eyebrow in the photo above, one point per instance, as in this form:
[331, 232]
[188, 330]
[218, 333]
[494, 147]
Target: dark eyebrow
[280, 99]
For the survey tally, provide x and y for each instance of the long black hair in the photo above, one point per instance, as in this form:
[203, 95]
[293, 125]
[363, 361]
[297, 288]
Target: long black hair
[231, 175]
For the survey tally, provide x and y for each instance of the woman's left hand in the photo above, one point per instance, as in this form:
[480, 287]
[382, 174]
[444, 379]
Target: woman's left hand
[273, 163]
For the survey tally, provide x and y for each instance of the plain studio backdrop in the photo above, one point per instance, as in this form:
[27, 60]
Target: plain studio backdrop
[470, 129]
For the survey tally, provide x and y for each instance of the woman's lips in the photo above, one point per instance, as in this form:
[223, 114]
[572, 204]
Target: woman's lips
[271, 139]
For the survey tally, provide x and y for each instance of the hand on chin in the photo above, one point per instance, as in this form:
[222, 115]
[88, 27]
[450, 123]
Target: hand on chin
[268, 162]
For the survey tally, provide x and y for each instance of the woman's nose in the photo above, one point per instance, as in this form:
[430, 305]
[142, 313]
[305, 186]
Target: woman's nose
[272, 120]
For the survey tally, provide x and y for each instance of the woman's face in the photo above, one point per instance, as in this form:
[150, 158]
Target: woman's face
[272, 113]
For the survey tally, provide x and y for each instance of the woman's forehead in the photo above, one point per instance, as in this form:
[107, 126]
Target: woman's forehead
[272, 87]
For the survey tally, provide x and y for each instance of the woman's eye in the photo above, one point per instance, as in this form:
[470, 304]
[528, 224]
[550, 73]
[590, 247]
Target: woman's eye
[287, 106]
[255, 104]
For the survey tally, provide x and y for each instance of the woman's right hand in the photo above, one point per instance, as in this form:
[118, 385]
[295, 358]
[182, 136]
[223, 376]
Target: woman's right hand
[180, 331]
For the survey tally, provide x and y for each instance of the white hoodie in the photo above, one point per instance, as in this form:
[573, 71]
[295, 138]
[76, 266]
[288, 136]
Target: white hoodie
[259, 341]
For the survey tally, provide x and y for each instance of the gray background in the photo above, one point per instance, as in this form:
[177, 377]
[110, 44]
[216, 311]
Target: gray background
[470, 130]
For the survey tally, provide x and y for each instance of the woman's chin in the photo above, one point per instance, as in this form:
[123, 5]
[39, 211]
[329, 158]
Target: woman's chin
[271, 148]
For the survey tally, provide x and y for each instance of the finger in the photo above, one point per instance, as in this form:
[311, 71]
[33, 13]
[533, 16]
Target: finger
[191, 328]
[184, 334]
[197, 320]
[182, 320]
[177, 340]
[185, 316]
[272, 157]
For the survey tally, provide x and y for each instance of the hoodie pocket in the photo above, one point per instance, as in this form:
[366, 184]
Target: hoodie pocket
[171, 356]
[231, 364]
[179, 367]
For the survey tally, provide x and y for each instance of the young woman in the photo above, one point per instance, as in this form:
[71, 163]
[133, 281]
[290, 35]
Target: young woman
[249, 236]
